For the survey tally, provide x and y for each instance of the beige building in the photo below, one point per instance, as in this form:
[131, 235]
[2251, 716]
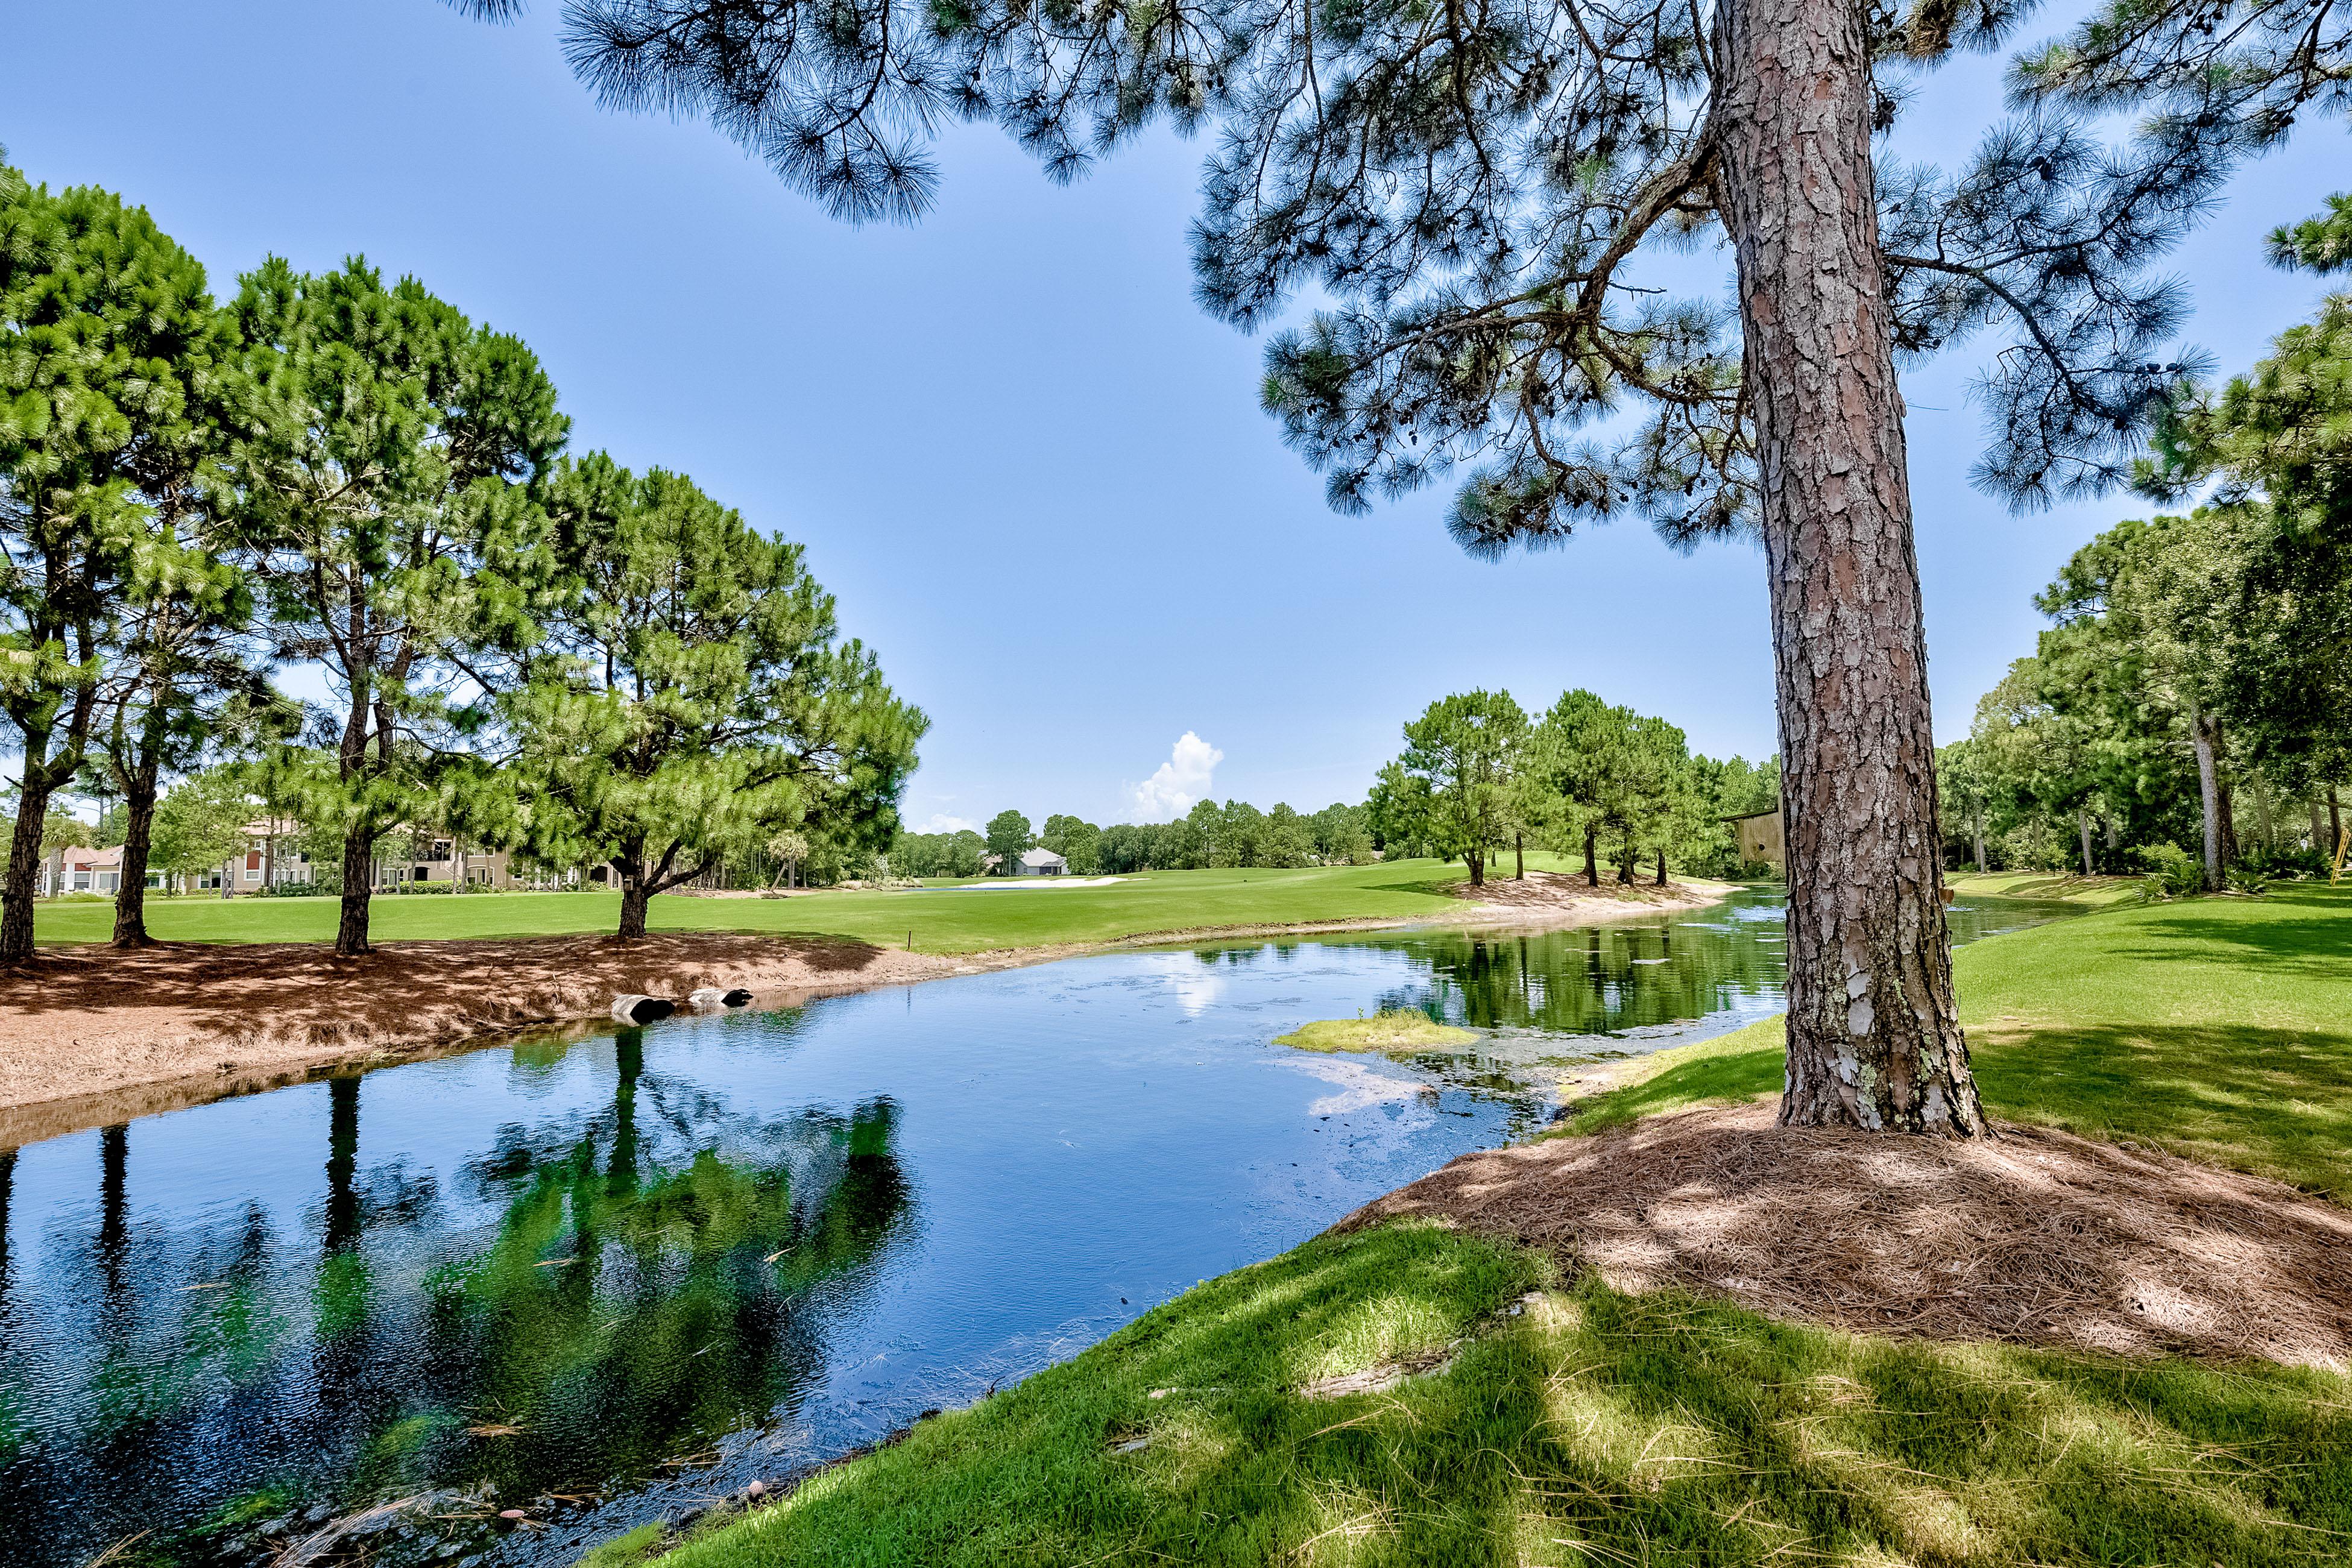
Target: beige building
[78, 870]
[441, 860]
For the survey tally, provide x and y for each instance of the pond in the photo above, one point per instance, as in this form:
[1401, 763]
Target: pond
[606, 1279]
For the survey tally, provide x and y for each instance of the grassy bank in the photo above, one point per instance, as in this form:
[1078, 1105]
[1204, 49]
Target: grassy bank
[2217, 1027]
[1567, 1424]
[1585, 1427]
[947, 919]
[2090, 892]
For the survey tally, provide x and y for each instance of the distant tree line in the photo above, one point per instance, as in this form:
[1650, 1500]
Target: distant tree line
[1234, 834]
[529, 648]
[1479, 778]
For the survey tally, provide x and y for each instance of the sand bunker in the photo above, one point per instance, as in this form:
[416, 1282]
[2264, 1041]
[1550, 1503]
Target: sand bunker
[2040, 1238]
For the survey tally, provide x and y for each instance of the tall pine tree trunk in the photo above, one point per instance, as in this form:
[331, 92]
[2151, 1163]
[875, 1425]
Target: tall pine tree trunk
[1873, 1038]
[23, 872]
[138, 834]
[1978, 821]
[633, 903]
[2082, 821]
[1520, 857]
[1661, 868]
[629, 865]
[1593, 857]
[2209, 794]
[359, 866]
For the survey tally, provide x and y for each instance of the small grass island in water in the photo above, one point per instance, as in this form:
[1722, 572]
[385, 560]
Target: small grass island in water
[1396, 1029]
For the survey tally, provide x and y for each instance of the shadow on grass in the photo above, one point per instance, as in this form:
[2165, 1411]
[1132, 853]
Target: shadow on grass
[1589, 1428]
[2277, 1102]
[2316, 945]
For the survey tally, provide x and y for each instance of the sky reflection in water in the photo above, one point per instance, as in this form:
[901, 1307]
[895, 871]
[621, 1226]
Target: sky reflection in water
[753, 1241]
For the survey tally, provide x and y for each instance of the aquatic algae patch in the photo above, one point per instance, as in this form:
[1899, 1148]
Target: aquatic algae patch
[1396, 1030]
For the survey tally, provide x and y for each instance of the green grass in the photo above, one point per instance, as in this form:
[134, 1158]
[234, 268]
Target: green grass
[2218, 1028]
[1400, 1029]
[943, 920]
[2091, 891]
[1588, 1428]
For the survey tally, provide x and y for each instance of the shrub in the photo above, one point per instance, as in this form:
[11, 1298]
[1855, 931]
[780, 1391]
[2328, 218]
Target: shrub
[2035, 845]
[2300, 860]
[2172, 872]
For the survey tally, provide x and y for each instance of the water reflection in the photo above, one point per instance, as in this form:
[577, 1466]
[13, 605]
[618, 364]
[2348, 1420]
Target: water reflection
[632, 1301]
[605, 1278]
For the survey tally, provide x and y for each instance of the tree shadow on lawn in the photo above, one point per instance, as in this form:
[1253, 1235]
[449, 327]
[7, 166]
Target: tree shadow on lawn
[1585, 1427]
[2272, 1102]
[2317, 947]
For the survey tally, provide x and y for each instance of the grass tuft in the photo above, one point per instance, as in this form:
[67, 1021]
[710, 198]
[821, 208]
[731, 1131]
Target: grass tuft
[1394, 1031]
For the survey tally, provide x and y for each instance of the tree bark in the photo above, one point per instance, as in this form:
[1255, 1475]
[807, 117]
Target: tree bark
[138, 834]
[634, 903]
[2334, 826]
[1661, 868]
[1979, 837]
[1591, 857]
[1873, 1038]
[2320, 840]
[2082, 821]
[24, 872]
[359, 883]
[1520, 857]
[2208, 805]
[37, 781]
[1477, 866]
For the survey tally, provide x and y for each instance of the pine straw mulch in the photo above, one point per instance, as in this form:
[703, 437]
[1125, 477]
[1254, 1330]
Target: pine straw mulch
[2038, 1238]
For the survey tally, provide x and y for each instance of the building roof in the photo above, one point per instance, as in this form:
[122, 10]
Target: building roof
[1041, 857]
[77, 857]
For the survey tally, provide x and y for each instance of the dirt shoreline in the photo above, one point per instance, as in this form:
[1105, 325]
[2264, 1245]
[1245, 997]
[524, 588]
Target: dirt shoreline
[90, 1036]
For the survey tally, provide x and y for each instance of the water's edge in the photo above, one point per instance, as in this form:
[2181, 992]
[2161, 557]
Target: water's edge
[32, 1121]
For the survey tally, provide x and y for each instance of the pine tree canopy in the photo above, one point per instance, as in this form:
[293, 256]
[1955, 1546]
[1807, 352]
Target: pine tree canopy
[1485, 194]
[692, 696]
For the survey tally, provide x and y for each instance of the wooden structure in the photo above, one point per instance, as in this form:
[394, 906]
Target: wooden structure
[1758, 834]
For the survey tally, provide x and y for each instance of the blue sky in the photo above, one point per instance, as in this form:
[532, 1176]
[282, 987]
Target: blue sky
[1034, 473]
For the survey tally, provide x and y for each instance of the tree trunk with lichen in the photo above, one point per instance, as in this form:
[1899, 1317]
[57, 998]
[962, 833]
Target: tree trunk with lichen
[1873, 1038]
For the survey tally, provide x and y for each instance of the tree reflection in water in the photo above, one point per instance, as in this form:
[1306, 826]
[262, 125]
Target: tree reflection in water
[618, 1289]
[1597, 979]
[633, 1310]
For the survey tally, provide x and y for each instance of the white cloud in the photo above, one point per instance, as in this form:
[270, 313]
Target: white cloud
[1184, 778]
[940, 822]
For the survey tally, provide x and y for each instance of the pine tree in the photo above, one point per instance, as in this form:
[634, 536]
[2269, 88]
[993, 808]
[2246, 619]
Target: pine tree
[107, 334]
[385, 470]
[1478, 191]
[691, 697]
[1459, 759]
